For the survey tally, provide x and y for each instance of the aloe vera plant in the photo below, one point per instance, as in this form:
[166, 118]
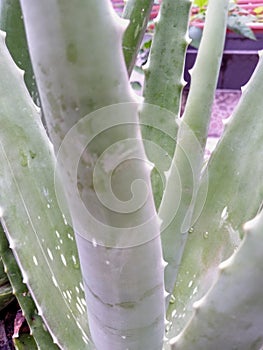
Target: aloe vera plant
[113, 224]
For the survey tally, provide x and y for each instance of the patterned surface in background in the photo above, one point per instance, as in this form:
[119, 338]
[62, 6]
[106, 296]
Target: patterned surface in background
[224, 104]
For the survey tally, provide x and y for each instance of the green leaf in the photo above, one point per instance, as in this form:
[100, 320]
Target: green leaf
[164, 72]
[147, 44]
[231, 314]
[72, 93]
[239, 25]
[11, 21]
[38, 235]
[183, 178]
[258, 10]
[3, 275]
[163, 87]
[235, 192]
[25, 342]
[200, 3]
[19, 289]
[6, 295]
[138, 13]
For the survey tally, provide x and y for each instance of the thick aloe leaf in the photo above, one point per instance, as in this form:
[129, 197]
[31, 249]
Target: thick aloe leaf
[234, 195]
[163, 88]
[3, 275]
[77, 59]
[183, 177]
[43, 243]
[19, 289]
[6, 295]
[100, 157]
[11, 21]
[230, 316]
[121, 252]
[138, 13]
[164, 70]
[25, 342]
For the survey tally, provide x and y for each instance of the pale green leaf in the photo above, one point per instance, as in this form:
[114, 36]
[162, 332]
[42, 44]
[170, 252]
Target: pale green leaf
[42, 242]
[231, 314]
[235, 192]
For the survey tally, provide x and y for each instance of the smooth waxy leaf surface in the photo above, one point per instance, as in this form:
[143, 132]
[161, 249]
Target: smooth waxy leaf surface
[41, 240]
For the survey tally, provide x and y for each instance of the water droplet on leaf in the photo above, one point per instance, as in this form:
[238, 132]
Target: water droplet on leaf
[190, 284]
[205, 235]
[172, 299]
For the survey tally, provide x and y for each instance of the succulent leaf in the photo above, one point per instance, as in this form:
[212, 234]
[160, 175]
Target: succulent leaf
[138, 13]
[31, 217]
[20, 291]
[234, 195]
[3, 275]
[96, 147]
[163, 88]
[231, 314]
[25, 342]
[6, 295]
[11, 21]
[184, 174]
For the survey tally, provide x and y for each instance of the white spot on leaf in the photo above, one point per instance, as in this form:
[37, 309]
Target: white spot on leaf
[63, 259]
[65, 221]
[224, 214]
[79, 309]
[50, 254]
[69, 294]
[35, 260]
[190, 284]
[54, 281]
[70, 237]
